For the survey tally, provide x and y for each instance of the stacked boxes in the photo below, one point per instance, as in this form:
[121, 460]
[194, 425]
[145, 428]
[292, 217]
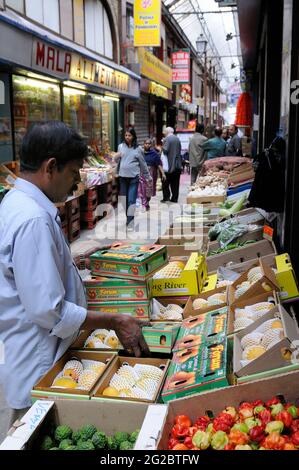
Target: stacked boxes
[109, 293]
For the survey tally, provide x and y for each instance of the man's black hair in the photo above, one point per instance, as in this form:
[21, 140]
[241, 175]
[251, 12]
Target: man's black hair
[52, 139]
[200, 128]
[218, 132]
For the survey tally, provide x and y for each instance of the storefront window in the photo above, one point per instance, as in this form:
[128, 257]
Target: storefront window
[33, 101]
[6, 152]
[91, 115]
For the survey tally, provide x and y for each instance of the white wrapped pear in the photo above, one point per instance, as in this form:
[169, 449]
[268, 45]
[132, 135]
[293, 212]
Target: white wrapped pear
[93, 342]
[242, 323]
[171, 315]
[217, 299]
[100, 334]
[174, 308]
[200, 304]
[129, 373]
[255, 274]
[252, 339]
[272, 336]
[270, 325]
[241, 289]
[120, 383]
[73, 369]
[260, 307]
[253, 352]
[87, 379]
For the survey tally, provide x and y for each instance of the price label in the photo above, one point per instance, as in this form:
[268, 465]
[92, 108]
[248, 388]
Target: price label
[268, 232]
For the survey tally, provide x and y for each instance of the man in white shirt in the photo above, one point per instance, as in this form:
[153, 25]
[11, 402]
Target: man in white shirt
[42, 300]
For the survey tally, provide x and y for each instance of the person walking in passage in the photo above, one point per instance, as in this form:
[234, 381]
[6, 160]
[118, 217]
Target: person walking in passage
[172, 151]
[216, 146]
[152, 158]
[131, 165]
[196, 152]
[234, 145]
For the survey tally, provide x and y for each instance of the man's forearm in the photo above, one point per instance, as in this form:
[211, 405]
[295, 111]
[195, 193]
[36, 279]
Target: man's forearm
[96, 320]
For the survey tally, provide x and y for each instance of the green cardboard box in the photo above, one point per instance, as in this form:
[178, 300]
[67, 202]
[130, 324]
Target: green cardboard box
[128, 261]
[202, 329]
[160, 336]
[197, 369]
[140, 309]
[102, 289]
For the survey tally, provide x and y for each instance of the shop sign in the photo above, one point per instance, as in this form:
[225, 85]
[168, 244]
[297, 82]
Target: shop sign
[158, 90]
[98, 74]
[154, 69]
[62, 63]
[181, 66]
[147, 22]
[186, 93]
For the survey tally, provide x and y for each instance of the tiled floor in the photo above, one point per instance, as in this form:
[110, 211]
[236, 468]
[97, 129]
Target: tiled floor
[148, 226]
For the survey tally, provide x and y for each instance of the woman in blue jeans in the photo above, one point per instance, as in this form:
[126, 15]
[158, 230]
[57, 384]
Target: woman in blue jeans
[131, 166]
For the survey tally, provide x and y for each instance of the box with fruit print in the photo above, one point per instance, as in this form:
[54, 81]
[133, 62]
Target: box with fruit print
[75, 375]
[196, 369]
[180, 277]
[133, 379]
[202, 329]
[103, 289]
[128, 261]
[268, 343]
[258, 415]
[135, 309]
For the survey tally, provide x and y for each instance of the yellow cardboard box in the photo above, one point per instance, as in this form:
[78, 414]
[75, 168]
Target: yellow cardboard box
[286, 277]
[190, 281]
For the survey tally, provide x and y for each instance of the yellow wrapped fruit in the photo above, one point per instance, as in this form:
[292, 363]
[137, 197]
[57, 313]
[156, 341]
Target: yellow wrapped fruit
[64, 382]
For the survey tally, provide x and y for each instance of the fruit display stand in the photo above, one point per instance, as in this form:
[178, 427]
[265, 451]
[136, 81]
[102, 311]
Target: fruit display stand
[45, 414]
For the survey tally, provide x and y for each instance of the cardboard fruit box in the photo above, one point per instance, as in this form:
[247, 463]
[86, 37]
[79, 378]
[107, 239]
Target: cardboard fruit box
[249, 252]
[101, 289]
[131, 361]
[265, 297]
[46, 414]
[43, 387]
[189, 282]
[128, 261]
[160, 336]
[215, 401]
[205, 199]
[267, 283]
[140, 309]
[190, 311]
[196, 369]
[277, 355]
[201, 329]
[254, 235]
[185, 250]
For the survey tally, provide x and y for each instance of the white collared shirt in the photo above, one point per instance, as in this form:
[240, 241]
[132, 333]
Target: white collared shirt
[42, 298]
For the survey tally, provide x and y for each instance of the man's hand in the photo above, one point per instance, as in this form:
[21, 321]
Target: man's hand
[128, 330]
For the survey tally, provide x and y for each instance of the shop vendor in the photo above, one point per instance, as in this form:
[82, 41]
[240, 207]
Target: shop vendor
[42, 301]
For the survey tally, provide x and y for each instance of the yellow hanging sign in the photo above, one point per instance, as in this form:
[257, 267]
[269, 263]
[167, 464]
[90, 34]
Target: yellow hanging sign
[147, 21]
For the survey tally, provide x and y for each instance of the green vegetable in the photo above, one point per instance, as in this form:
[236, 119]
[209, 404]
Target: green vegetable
[120, 437]
[47, 443]
[99, 440]
[72, 447]
[63, 432]
[201, 439]
[54, 448]
[293, 411]
[236, 207]
[252, 422]
[76, 436]
[85, 445]
[126, 445]
[65, 443]
[133, 437]
[86, 432]
[276, 409]
[111, 443]
[258, 409]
